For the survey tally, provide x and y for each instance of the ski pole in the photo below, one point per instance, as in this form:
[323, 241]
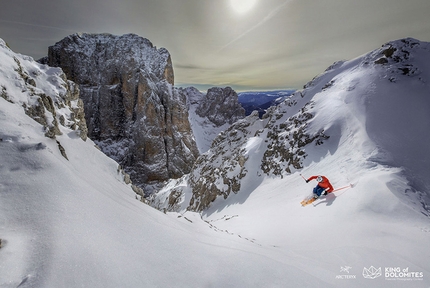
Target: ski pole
[303, 177]
[344, 187]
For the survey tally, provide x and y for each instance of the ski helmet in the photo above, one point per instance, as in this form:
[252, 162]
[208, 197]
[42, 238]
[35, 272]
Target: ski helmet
[319, 179]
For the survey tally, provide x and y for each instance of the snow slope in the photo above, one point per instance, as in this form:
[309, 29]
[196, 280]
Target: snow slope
[376, 114]
[378, 128]
[75, 223]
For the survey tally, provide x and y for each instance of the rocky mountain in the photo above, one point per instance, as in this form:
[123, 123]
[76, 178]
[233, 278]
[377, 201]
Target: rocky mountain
[371, 111]
[132, 110]
[220, 106]
[211, 113]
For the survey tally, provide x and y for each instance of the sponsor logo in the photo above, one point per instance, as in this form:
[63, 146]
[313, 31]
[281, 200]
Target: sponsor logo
[348, 276]
[372, 272]
[345, 269]
[392, 273]
[387, 273]
[397, 273]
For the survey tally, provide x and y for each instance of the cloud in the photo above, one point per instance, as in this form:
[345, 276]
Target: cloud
[36, 25]
[283, 43]
[264, 20]
[190, 66]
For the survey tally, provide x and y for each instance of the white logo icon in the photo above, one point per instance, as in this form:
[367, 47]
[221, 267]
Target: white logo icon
[372, 272]
[345, 269]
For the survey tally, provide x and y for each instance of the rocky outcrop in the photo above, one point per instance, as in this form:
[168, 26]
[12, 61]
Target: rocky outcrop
[219, 171]
[45, 93]
[396, 55]
[132, 110]
[220, 106]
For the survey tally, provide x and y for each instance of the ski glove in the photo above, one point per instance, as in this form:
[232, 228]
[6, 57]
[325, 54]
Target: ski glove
[325, 191]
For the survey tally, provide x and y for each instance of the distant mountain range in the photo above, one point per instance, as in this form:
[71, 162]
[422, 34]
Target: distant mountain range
[261, 100]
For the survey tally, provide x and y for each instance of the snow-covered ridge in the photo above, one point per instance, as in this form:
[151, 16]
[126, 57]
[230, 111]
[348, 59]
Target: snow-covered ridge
[44, 93]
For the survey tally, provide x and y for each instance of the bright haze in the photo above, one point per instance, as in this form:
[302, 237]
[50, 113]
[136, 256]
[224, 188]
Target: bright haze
[245, 44]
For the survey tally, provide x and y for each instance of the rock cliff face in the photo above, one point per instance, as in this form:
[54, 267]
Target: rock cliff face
[221, 106]
[212, 113]
[132, 110]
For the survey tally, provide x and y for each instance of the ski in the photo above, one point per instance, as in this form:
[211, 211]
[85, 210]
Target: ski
[310, 199]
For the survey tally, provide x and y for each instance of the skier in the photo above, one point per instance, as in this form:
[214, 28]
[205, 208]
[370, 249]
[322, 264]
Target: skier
[323, 187]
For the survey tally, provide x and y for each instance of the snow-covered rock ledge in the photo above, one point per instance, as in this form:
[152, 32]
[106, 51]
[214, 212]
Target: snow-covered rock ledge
[44, 92]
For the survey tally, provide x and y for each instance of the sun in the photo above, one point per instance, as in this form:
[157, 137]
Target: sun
[242, 6]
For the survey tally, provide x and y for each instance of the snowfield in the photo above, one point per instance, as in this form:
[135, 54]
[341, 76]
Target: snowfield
[75, 223]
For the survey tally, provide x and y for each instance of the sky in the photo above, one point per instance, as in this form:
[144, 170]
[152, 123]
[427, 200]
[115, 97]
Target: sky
[245, 44]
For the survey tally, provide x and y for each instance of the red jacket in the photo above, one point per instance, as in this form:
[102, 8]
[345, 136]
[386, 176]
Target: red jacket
[324, 183]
